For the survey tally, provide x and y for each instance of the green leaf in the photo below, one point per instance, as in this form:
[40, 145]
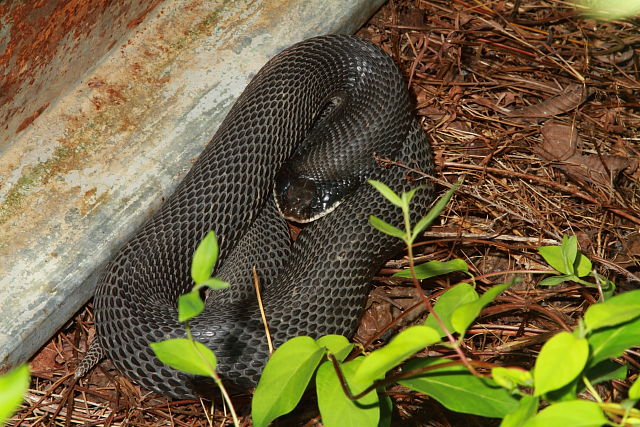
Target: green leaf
[214, 283]
[435, 211]
[527, 408]
[204, 258]
[408, 196]
[336, 409]
[569, 249]
[492, 293]
[511, 378]
[554, 257]
[185, 355]
[576, 262]
[560, 361]
[337, 345]
[284, 379]
[634, 390]
[401, 347]
[465, 314]
[609, 10]
[574, 413]
[422, 225]
[565, 393]
[435, 268]
[602, 315]
[616, 310]
[448, 302]
[606, 370]
[458, 390]
[556, 280]
[189, 306]
[566, 259]
[582, 265]
[387, 192]
[611, 342]
[13, 386]
[628, 405]
[386, 228]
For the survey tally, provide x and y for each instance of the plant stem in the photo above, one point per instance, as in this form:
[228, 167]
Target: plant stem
[409, 242]
[216, 378]
[591, 389]
[226, 398]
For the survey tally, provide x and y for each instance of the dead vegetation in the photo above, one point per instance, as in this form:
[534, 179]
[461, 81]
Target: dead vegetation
[537, 107]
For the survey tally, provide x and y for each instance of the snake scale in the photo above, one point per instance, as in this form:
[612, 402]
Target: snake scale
[307, 127]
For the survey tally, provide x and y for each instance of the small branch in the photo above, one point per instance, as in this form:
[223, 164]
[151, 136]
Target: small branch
[485, 237]
[504, 272]
[343, 381]
[591, 389]
[395, 378]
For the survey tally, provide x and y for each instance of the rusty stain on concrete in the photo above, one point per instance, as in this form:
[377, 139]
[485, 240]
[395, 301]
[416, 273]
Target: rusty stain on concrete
[78, 180]
[46, 45]
[26, 122]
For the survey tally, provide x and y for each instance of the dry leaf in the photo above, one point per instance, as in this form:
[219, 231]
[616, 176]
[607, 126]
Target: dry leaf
[45, 360]
[569, 99]
[559, 141]
[384, 305]
[617, 57]
[560, 144]
[434, 113]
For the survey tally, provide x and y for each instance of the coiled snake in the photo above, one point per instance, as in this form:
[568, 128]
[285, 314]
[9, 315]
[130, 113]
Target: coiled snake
[308, 127]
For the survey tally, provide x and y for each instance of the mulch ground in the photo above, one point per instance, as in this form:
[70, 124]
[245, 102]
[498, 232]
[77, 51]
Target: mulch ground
[537, 107]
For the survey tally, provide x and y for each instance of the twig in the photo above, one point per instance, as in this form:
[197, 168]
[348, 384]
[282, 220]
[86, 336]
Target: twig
[546, 182]
[256, 284]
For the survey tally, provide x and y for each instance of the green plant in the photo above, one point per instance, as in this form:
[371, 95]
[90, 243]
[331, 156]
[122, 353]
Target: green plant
[13, 385]
[351, 390]
[572, 362]
[187, 354]
[572, 266]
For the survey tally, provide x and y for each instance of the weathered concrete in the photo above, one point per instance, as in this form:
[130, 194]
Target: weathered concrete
[77, 180]
[46, 45]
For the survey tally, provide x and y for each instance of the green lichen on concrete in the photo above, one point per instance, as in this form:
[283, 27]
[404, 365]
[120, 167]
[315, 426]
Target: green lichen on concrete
[37, 175]
[17, 192]
[201, 28]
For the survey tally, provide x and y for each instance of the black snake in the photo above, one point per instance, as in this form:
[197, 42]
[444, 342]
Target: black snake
[308, 128]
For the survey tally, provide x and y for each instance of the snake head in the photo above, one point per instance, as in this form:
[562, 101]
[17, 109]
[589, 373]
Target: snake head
[303, 199]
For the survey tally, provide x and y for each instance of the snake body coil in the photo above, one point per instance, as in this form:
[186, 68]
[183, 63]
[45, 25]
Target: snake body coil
[315, 114]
